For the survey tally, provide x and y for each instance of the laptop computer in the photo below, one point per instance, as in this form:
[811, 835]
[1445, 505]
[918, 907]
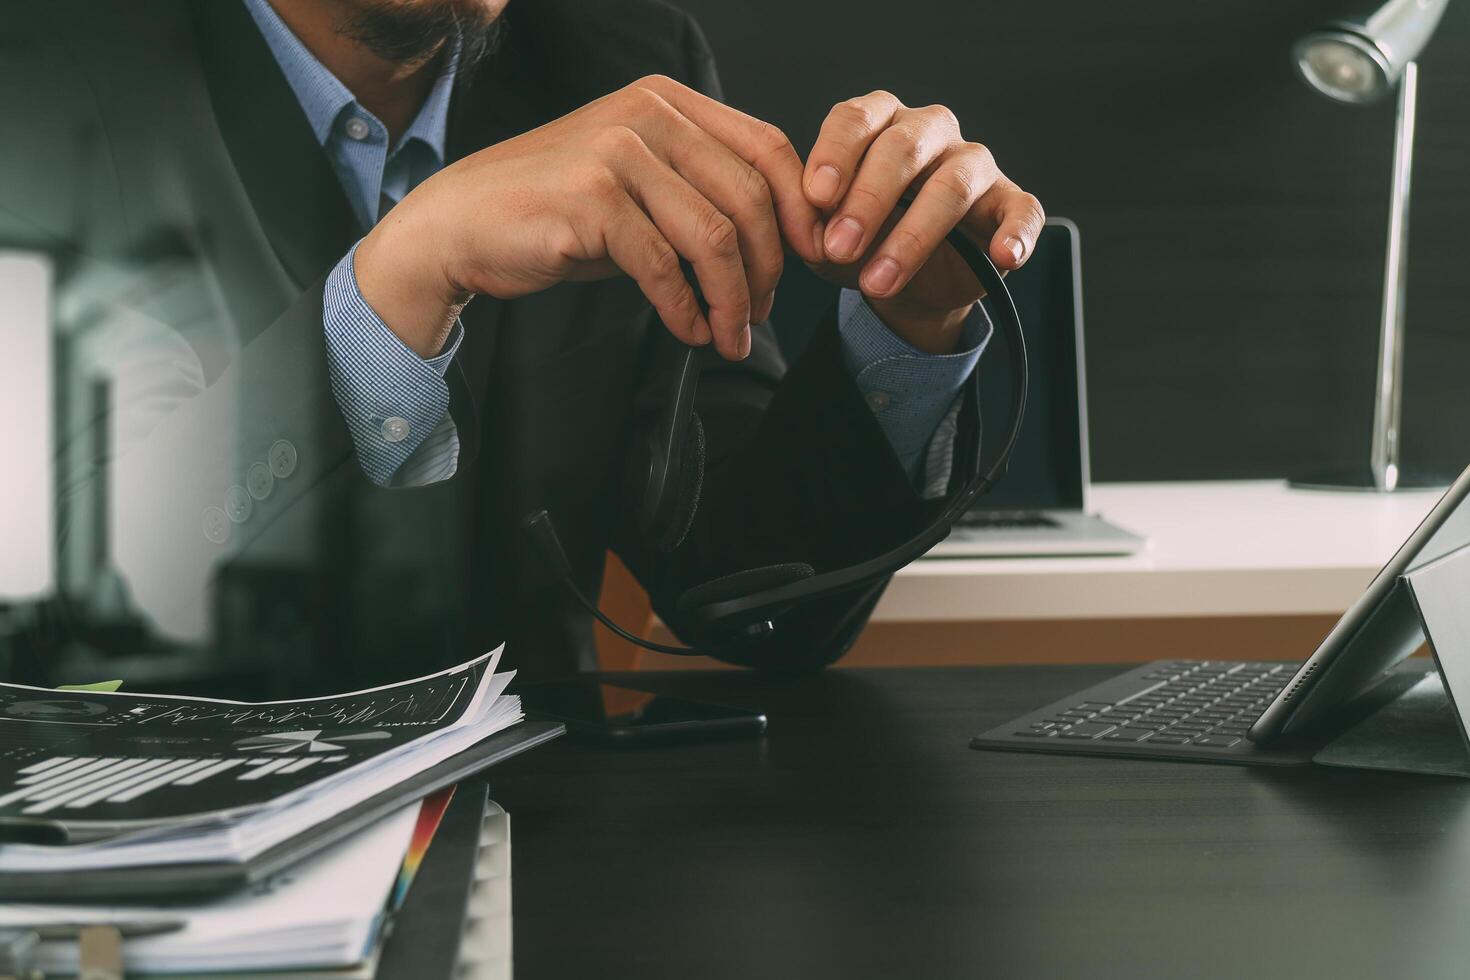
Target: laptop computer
[1258, 713]
[1041, 507]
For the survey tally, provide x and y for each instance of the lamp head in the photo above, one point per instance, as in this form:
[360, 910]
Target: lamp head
[1360, 59]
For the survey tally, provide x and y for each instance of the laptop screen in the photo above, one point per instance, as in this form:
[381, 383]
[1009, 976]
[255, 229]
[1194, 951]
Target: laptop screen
[1047, 469]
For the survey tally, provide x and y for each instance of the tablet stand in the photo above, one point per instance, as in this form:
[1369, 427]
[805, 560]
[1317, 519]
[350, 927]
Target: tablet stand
[1424, 730]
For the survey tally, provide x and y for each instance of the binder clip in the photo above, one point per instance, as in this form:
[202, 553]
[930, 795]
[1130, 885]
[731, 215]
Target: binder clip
[18, 954]
[99, 947]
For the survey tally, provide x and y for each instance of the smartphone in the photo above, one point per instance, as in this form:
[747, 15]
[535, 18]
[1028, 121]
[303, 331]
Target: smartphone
[624, 716]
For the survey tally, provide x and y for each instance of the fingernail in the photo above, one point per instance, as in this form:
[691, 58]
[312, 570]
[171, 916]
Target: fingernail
[881, 276]
[843, 238]
[745, 343]
[823, 185]
[1016, 247]
[702, 333]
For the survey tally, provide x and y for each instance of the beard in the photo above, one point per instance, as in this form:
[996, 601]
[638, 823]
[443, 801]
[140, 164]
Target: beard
[412, 31]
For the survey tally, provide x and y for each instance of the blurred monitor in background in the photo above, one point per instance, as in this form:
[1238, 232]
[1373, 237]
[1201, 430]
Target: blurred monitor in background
[27, 520]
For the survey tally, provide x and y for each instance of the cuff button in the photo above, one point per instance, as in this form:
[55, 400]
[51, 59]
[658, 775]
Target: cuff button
[259, 481]
[283, 458]
[216, 525]
[238, 504]
[879, 400]
[395, 429]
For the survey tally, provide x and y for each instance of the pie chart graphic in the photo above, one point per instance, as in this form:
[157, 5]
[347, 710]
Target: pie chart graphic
[58, 709]
[305, 742]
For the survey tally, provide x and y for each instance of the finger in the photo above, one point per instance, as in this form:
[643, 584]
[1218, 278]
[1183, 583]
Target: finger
[947, 196]
[900, 154]
[846, 133]
[699, 232]
[761, 145]
[1013, 219]
[645, 256]
[733, 186]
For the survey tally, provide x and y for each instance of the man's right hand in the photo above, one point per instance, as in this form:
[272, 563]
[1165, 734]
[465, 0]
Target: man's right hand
[630, 183]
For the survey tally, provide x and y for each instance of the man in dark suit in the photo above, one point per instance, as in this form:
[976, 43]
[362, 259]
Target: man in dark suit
[353, 285]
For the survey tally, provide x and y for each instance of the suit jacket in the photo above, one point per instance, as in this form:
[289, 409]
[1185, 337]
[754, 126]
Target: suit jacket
[157, 154]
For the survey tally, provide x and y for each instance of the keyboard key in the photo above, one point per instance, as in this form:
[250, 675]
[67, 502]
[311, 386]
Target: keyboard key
[1034, 732]
[1128, 734]
[1169, 739]
[1088, 730]
[1092, 706]
[1217, 741]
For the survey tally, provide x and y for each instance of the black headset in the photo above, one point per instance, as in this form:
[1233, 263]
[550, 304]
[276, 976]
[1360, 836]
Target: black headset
[668, 471]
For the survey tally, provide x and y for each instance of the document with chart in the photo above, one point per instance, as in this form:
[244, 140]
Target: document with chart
[120, 779]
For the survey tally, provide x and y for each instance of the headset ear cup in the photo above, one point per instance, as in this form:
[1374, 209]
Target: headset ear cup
[676, 513]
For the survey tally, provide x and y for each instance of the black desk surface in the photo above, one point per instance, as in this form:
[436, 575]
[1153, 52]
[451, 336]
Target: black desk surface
[863, 838]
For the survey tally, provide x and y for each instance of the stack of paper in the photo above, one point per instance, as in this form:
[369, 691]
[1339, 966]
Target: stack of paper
[327, 912]
[142, 781]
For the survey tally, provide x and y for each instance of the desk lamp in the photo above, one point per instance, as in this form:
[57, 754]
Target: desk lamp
[1358, 61]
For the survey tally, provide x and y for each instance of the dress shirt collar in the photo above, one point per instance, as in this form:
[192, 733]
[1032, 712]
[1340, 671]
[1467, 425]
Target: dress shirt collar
[324, 98]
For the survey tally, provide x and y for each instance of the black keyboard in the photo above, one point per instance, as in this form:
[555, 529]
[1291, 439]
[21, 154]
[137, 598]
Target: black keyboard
[996, 520]
[1166, 709]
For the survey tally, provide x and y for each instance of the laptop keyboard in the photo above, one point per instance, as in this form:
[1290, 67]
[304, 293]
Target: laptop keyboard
[1211, 704]
[996, 520]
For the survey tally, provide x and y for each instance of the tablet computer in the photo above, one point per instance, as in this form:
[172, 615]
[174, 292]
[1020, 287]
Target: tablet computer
[1380, 629]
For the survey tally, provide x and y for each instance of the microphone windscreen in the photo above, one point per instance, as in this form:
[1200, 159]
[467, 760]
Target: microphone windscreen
[745, 583]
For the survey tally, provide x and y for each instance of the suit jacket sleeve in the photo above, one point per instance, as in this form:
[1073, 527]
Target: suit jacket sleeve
[192, 424]
[268, 426]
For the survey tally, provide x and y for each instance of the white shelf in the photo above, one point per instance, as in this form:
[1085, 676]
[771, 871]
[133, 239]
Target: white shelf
[1236, 548]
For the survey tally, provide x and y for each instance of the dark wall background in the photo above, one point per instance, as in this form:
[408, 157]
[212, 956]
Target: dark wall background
[1232, 221]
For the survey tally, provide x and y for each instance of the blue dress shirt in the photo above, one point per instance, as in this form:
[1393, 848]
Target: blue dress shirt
[396, 403]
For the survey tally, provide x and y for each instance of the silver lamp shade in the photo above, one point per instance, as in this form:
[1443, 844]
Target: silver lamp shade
[1360, 59]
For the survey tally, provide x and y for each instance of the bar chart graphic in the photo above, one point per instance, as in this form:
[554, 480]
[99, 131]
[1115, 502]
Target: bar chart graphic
[75, 783]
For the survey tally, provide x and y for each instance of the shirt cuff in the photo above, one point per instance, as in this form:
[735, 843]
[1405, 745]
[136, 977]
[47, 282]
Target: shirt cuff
[392, 398]
[910, 392]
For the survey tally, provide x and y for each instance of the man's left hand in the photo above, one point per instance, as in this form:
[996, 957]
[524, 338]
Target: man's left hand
[872, 151]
